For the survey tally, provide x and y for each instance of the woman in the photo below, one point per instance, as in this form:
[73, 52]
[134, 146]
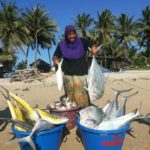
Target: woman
[75, 67]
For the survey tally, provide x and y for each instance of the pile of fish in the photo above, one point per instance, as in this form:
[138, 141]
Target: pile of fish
[64, 104]
[111, 116]
[26, 118]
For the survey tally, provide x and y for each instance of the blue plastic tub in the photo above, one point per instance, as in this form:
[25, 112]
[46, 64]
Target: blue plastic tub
[44, 140]
[102, 140]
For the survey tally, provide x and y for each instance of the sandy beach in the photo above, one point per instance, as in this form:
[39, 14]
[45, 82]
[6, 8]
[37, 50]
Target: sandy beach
[43, 93]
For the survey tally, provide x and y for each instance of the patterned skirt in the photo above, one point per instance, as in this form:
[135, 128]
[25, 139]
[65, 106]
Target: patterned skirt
[74, 87]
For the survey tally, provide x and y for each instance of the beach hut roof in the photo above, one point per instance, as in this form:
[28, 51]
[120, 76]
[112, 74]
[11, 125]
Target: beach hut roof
[40, 62]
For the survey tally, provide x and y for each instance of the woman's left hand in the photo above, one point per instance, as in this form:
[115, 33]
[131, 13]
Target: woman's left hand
[94, 49]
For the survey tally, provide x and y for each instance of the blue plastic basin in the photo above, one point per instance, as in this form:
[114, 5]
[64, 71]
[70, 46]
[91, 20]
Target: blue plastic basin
[102, 140]
[44, 140]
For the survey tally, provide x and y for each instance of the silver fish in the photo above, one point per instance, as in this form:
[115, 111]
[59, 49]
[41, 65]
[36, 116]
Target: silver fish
[119, 122]
[28, 127]
[38, 126]
[106, 106]
[144, 120]
[59, 76]
[92, 113]
[122, 109]
[113, 107]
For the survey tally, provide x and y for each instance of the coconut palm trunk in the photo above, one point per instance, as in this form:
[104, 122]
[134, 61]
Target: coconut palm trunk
[36, 51]
[49, 55]
[27, 53]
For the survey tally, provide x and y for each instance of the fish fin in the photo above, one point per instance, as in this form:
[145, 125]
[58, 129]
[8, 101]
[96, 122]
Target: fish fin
[60, 63]
[143, 120]
[121, 91]
[86, 88]
[129, 96]
[135, 111]
[108, 101]
[27, 139]
[132, 95]
[13, 137]
[129, 132]
[99, 47]
[89, 49]
[17, 140]
[147, 115]
[31, 143]
[138, 113]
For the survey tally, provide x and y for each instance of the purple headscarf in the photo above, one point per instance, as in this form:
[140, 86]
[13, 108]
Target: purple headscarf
[71, 50]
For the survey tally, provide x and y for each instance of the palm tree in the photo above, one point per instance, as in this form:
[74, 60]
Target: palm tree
[83, 22]
[47, 43]
[12, 31]
[8, 59]
[93, 36]
[41, 29]
[126, 31]
[145, 32]
[105, 27]
[114, 49]
[5, 56]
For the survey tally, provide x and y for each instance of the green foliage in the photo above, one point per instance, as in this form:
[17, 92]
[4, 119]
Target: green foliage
[105, 27]
[12, 32]
[120, 37]
[114, 49]
[41, 29]
[21, 65]
[83, 22]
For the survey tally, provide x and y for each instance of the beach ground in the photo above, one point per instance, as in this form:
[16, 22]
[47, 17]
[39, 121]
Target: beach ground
[43, 93]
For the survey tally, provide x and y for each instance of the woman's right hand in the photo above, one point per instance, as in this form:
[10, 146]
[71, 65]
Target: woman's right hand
[56, 60]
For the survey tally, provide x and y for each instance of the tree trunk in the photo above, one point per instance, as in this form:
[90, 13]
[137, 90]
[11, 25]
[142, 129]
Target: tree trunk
[49, 55]
[26, 61]
[36, 50]
[84, 33]
[126, 50]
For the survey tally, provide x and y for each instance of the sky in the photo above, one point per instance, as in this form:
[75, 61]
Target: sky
[65, 11]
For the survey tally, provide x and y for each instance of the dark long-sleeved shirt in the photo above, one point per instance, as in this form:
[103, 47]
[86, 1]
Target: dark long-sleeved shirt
[74, 66]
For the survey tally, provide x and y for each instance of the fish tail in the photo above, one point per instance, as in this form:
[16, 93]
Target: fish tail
[138, 113]
[60, 63]
[27, 139]
[31, 143]
[18, 140]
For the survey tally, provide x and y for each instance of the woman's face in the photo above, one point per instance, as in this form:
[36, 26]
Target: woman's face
[72, 36]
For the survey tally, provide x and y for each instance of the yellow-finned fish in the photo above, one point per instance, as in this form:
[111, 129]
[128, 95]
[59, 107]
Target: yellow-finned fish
[51, 118]
[13, 114]
[30, 112]
[19, 112]
[12, 110]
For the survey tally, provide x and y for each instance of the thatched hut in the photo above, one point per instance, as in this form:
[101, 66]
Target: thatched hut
[42, 66]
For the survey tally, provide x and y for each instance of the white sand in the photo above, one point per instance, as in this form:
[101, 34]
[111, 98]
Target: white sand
[43, 93]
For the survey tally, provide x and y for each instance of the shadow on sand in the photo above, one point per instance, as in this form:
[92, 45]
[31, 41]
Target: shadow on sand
[4, 114]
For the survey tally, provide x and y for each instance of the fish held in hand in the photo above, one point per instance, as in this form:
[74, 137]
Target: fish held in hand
[96, 81]
[59, 76]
